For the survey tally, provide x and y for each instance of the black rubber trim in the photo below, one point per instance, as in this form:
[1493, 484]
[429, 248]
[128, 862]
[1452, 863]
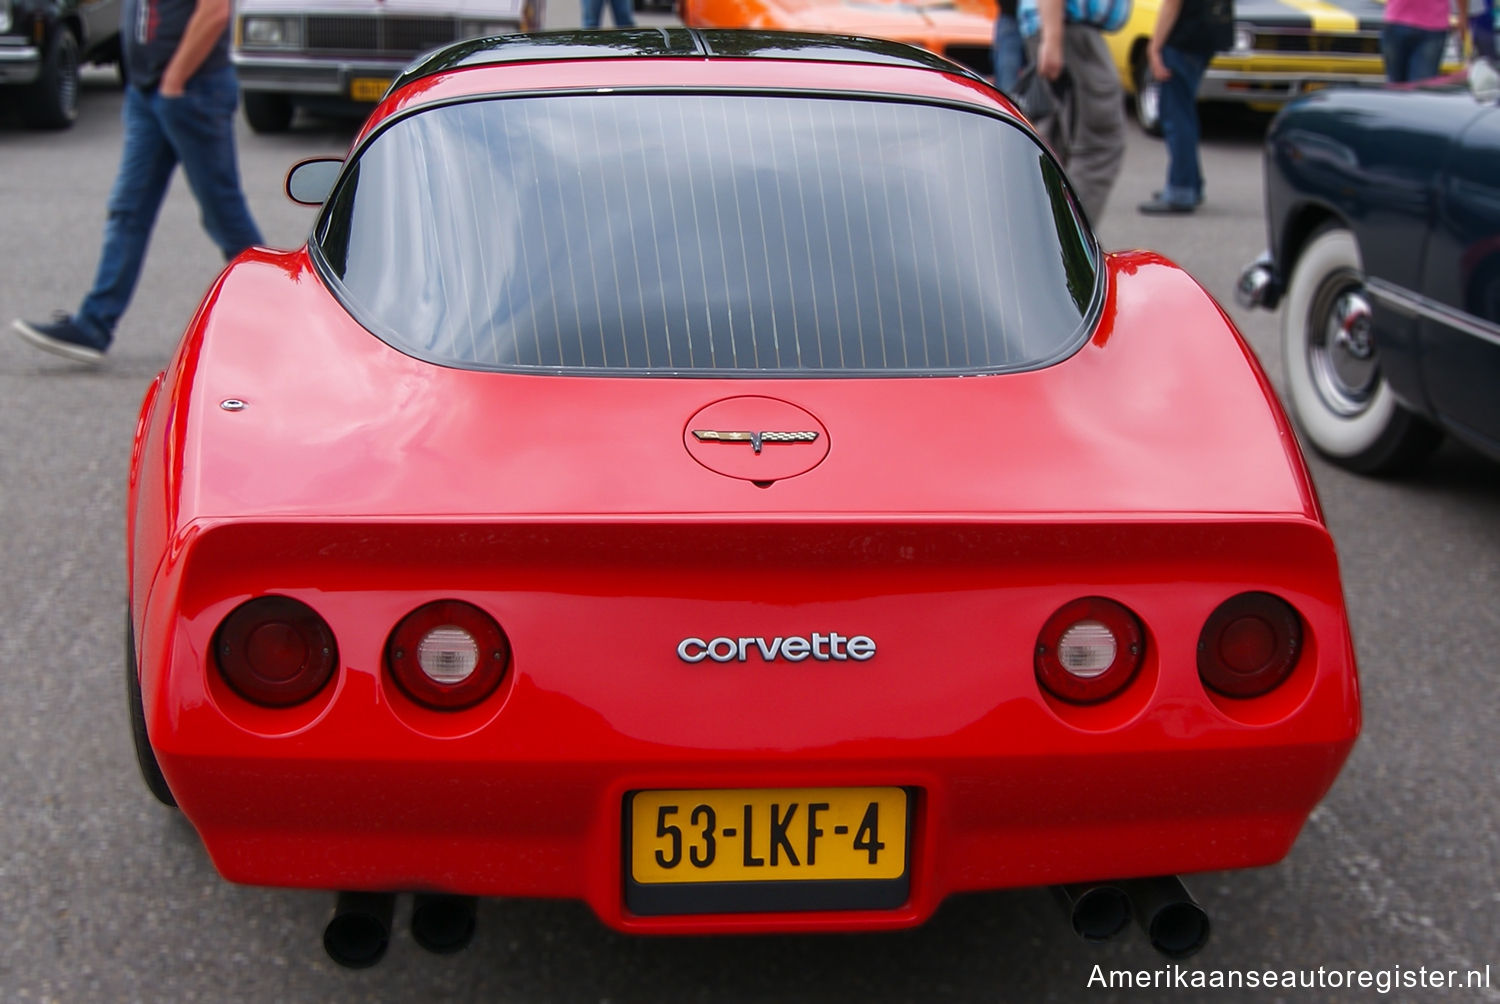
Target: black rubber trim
[764, 897]
[145, 756]
[1082, 335]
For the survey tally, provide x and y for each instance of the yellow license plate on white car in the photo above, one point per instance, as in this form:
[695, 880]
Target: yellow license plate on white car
[368, 88]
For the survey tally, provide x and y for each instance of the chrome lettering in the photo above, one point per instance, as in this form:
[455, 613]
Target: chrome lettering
[820, 647]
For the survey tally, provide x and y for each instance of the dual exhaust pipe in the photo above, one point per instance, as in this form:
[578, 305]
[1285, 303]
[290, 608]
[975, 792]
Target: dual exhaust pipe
[359, 931]
[1175, 924]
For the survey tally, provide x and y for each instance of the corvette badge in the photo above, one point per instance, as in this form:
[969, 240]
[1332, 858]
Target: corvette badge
[755, 439]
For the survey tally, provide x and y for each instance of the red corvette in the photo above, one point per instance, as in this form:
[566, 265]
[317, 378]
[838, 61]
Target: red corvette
[666, 479]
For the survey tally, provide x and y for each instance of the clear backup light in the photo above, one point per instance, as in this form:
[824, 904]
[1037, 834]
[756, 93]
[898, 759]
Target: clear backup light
[1089, 650]
[271, 32]
[448, 655]
[1244, 39]
[5, 16]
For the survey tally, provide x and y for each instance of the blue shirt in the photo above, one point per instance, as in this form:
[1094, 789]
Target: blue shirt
[1107, 15]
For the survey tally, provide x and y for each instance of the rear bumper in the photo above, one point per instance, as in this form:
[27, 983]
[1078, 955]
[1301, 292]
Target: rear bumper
[524, 794]
[457, 814]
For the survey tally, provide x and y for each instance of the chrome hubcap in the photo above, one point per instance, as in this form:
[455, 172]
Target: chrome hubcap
[1341, 348]
[1148, 101]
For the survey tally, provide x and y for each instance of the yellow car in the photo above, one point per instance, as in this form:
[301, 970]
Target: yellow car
[1282, 48]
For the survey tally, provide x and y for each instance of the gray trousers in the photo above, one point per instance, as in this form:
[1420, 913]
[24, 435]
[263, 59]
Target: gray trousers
[1088, 131]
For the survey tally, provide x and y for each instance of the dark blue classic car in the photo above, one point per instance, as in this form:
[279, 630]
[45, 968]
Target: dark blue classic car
[42, 44]
[1383, 208]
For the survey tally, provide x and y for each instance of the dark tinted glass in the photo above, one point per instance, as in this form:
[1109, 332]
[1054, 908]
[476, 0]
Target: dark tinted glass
[672, 232]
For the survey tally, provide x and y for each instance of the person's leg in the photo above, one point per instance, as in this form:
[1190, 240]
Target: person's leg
[623, 12]
[146, 164]
[1184, 166]
[1097, 134]
[200, 127]
[1395, 50]
[1426, 58]
[1482, 32]
[593, 11]
[1007, 52]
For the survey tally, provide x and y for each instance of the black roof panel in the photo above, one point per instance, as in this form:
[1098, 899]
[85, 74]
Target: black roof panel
[635, 43]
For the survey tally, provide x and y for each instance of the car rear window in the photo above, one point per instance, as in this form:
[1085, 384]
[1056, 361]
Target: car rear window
[710, 233]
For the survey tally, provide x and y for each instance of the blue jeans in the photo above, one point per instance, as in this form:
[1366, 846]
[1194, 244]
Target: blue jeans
[197, 131]
[1411, 53]
[1179, 124]
[622, 10]
[1008, 52]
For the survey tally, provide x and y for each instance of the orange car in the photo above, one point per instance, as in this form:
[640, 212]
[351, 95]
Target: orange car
[962, 30]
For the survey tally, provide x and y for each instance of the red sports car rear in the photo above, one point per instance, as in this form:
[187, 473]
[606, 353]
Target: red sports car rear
[665, 479]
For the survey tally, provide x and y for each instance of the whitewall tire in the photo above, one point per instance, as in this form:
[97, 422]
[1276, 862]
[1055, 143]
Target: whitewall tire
[1338, 394]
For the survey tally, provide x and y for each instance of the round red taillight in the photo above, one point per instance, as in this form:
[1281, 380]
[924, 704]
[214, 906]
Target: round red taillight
[448, 655]
[275, 651]
[1089, 650]
[1249, 644]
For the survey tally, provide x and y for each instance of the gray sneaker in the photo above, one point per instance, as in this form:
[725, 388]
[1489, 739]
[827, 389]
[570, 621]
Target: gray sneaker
[63, 337]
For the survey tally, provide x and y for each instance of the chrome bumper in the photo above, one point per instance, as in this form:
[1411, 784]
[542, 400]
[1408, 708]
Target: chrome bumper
[1278, 87]
[1259, 284]
[325, 77]
[19, 64]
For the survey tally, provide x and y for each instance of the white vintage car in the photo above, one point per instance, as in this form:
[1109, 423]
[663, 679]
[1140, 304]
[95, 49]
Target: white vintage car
[339, 56]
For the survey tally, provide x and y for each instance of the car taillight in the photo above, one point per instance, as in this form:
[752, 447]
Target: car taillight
[275, 651]
[1089, 650]
[448, 655]
[1249, 645]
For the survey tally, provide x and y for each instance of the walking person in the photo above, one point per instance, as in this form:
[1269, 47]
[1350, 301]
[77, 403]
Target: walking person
[1481, 25]
[1008, 51]
[179, 109]
[1184, 40]
[1086, 130]
[1412, 40]
[621, 10]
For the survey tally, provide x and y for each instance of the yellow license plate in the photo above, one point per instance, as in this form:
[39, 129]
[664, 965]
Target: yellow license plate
[368, 88]
[768, 835]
